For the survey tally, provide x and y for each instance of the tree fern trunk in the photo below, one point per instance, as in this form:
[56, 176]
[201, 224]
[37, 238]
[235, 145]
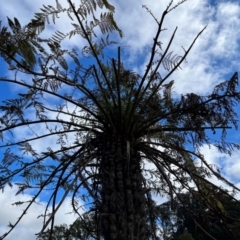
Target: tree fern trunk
[123, 205]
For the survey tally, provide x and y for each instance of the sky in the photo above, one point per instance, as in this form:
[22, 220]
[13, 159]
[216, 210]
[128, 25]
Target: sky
[214, 58]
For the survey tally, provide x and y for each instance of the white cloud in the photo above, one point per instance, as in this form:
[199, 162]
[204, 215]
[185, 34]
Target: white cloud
[229, 166]
[30, 224]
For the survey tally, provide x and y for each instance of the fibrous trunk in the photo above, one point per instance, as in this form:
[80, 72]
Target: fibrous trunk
[123, 204]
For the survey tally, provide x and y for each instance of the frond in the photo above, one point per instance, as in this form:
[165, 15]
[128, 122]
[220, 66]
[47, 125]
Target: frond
[15, 26]
[89, 7]
[36, 26]
[58, 37]
[108, 24]
[170, 62]
[98, 47]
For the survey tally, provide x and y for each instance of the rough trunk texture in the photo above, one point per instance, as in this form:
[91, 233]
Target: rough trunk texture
[123, 205]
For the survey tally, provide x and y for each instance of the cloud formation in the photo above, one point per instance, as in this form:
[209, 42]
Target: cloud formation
[30, 224]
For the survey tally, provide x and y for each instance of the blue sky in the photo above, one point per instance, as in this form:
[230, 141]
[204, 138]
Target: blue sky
[214, 58]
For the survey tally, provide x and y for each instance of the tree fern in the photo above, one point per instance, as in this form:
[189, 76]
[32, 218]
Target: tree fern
[107, 123]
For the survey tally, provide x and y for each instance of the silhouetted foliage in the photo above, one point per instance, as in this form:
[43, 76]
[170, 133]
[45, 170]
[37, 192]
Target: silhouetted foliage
[82, 229]
[192, 212]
